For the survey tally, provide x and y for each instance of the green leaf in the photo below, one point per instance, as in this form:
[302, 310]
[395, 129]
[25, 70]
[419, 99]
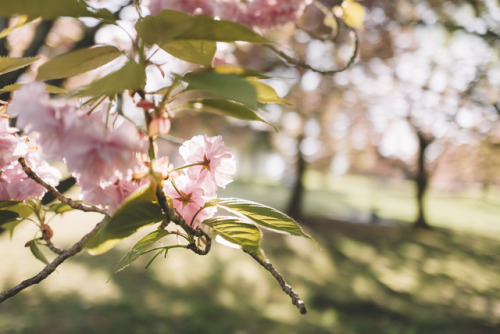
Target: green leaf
[7, 216]
[37, 252]
[21, 209]
[6, 204]
[77, 62]
[196, 52]
[21, 21]
[48, 9]
[207, 29]
[11, 64]
[224, 107]
[230, 69]
[228, 86]
[262, 215]
[137, 211]
[11, 227]
[171, 25]
[265, 93]
[138, 249]
[60, 208]
[48, 88]
[105, 14]
[238, 232]
[132, 76]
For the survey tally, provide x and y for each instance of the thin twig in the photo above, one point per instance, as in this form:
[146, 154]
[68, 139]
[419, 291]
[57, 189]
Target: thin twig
[57, 194]
[299, 63]
[51, 246]
[296, 300]
[51, 267]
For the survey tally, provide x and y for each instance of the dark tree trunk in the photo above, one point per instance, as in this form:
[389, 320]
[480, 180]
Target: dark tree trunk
[294, 208]
[421, 181]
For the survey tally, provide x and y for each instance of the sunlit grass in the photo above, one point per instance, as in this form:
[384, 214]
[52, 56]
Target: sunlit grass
[355, 198]
[363, 278]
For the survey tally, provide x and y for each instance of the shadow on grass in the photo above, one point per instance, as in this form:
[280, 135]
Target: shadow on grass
[364, 279]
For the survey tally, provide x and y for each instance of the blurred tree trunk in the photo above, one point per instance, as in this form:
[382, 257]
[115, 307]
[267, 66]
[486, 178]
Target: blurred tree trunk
[294, 207]
[422, 180]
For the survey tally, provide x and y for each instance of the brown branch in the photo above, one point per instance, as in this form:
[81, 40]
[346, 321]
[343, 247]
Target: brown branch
[57, 194]
[51, 267]
[299, 63]
[51, 246]
[296, 300]
[176, 219]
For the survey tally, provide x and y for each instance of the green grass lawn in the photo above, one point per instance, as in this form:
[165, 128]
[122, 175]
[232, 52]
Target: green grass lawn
[363, 278]
[353, 197]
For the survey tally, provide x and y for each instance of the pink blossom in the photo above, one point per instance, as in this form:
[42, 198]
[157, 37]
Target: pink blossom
[189, 199]
[53, 120]
[99, 154]
[90, 149]
[216, 164]
[193, 7]
[11, 145]
[16, 185]
[109, 195]
[254, 13]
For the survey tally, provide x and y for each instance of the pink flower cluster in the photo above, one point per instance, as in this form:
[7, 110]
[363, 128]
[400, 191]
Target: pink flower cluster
[209, 165]
[254, 13]
[105, 160]
[102, 158]
[14, 183]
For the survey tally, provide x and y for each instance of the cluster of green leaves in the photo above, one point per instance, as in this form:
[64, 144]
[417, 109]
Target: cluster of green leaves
[12, 213]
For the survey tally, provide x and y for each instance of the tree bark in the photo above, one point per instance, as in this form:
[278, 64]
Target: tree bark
[421, 181]
[294, 208]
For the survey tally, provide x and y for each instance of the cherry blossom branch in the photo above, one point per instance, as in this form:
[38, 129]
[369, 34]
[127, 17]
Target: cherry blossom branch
[51, 267]
[176, 219]
[56, 193]
[50, 245]
[299, 63]
[296, 300]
